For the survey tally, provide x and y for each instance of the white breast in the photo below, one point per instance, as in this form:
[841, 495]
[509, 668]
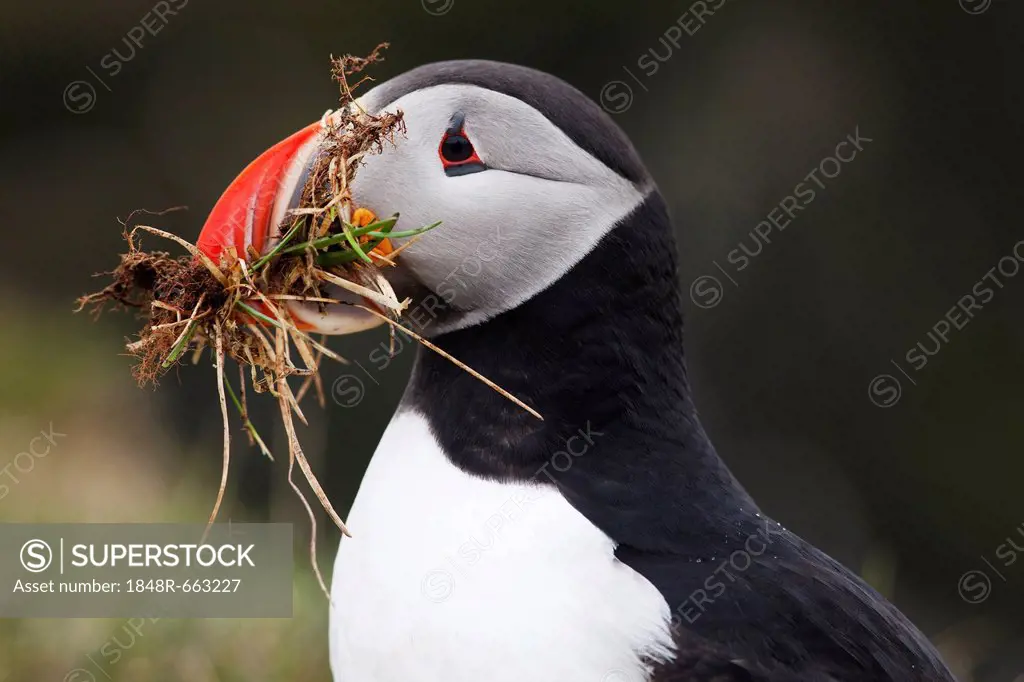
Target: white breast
[453, 578]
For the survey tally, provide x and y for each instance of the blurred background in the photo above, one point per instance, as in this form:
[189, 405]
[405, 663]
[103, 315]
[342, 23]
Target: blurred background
[911, 475]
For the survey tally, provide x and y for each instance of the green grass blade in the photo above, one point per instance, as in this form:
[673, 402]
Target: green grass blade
[317, 244]
[257, 314]
[403, 235]
[378, 231]
[341, 257]
[182, 345]
[334, 239]
[380, 226]
[246, 422]
[352, 242]
[280, 245]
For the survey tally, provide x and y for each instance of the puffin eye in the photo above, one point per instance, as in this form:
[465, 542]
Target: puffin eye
[458, 155]
[456, 149]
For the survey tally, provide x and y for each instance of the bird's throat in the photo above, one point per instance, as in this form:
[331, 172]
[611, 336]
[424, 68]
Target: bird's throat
[600, 355]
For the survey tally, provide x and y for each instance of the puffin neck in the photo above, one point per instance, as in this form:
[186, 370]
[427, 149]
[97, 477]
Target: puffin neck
[600, 355]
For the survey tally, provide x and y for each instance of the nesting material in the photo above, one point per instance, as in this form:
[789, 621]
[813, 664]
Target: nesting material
[237, 308]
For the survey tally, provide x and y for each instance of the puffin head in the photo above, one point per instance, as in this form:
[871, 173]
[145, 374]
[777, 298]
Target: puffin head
[526, 174]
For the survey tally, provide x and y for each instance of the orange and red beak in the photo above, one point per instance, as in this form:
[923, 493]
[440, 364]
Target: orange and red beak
[245, 218]
[257, 200]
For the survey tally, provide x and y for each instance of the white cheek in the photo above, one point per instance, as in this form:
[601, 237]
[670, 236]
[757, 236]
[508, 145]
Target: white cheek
[504, 236]
[513, 235]
[401, 179]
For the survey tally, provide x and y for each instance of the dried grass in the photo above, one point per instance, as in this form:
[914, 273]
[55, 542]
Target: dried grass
[190, 303]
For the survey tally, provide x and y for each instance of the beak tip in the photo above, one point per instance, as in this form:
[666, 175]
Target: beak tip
[243, 214]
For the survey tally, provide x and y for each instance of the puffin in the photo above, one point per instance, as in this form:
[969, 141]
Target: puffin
[606, 541]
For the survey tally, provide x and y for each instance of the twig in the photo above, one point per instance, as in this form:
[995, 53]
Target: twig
[296, 450]
[246, 422]
[219, 341]
[455, 361]
[191, 248]
[181, 343]
[359, 290]
[312, 518]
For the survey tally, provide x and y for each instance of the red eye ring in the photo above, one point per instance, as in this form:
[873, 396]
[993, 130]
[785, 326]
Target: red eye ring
[457, 152]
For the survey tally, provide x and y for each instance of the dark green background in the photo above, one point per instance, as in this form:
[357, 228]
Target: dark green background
[912, 496]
